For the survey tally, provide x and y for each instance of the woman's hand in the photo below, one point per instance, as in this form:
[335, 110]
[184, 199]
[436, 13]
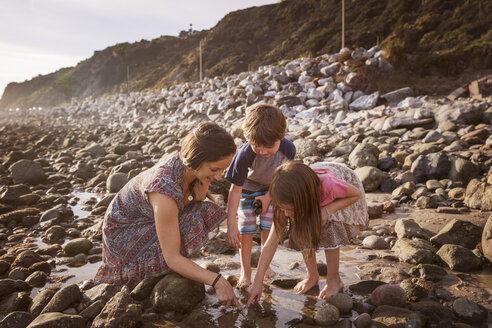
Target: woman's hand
[233, 236]
[265, 202]
[225, 293]
[254, 291]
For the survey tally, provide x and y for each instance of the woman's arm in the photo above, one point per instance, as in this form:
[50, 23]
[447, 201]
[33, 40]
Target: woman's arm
[167, 226]
[267, 253]
[353, 195]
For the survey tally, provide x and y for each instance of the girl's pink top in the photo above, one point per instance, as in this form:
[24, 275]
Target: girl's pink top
[332, 187]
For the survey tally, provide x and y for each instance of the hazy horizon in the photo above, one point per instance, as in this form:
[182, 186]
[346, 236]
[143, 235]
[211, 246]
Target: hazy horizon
[39, 37]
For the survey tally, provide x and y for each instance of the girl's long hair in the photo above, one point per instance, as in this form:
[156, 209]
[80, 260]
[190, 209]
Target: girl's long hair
[296, 184]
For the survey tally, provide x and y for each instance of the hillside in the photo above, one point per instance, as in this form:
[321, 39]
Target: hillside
[435, 46]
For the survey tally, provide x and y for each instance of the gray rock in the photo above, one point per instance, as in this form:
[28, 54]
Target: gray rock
[54, 235]
[94, 150]
[375, 242]
[56, 319]
[459, 258]
[77, 246]
[417, 289]
[364, 154]
[469, 312]
[116, 181]
[427, 271]
[63, 299]
[463, 170]
[17, 319]
[381, 271]
[343, 302]
[15, 302]
[286, 283]
[434, 314]
[460, 113]
[408, 228]
[365, 102]
[458, 232]
[478, 195]
[92, 310]
[414, 250]
[389, 294]
[102, 292]
[371, 177]
[27, 171]
[365, 287]
[431, 166]
[487, 239]
[41, 300]
[120, 311]
[26, 259]
[37, 279]
[327, 315]
[144, 288]
[363, 321]
[392, 316]
[397, 95]
[306, 148]
[175, 293]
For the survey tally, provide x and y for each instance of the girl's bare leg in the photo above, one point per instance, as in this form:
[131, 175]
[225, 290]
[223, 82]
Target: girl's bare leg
[313, 275]
[264, 235]
[245, 255]
[333, 281]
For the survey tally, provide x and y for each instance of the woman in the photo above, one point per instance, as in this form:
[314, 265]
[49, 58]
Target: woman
[159, 219]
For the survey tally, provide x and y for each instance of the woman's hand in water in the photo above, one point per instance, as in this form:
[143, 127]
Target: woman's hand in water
[254, 291]
[225, 293]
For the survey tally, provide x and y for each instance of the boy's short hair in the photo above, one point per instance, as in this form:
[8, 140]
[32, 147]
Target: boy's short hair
[264, 125]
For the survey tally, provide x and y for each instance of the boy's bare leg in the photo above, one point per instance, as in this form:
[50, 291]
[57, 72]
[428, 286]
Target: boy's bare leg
[245, 255]
[312, 270]
[264, 235]
[333, 281]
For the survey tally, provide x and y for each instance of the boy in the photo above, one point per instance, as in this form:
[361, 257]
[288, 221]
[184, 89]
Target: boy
[250, 173]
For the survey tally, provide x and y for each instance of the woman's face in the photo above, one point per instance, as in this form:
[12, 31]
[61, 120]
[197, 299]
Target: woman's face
[210, 171]
[287, 209]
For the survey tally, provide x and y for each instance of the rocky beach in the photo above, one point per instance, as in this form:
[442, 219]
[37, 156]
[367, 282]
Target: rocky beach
[425, 163]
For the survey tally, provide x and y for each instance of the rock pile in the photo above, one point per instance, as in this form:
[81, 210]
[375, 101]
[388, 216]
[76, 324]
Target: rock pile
[429, 153]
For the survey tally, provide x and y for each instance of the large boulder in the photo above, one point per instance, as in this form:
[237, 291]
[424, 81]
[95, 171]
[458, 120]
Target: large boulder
[57, 319]
[459, 258]
[478, 195]
[364, 154]
[371, 177]
[327, 315]
[463, 170]
[389, 294]
[120, 312]
[116, 181]
[431, 166]
[27, 171]
[469, 312]
[77, 246]
[408, 228]
[176, 293]
[63, 299]
[414, 250]
[458, 232]
[487, 239]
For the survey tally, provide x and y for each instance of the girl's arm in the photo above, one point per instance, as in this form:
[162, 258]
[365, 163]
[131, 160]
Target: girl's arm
[267, 252]
[167, 226]
[353, 195]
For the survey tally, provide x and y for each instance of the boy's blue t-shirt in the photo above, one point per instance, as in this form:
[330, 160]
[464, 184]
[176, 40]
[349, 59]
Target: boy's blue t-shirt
[254, 172]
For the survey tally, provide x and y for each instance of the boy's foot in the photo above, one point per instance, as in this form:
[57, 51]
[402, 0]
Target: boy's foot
[243, 282]
[305, 285]
[331, 288]
[269, 273]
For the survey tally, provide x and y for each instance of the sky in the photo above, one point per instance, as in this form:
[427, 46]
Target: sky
[42, 36]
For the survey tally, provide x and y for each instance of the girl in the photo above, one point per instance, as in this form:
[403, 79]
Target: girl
[325, 208]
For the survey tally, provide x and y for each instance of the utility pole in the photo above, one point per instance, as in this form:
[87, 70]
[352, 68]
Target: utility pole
[201, 61]
[128, 79]
[343, 24]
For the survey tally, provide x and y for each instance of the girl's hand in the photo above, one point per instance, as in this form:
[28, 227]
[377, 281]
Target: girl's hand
[225, 293]
[233, 236]
[254, 291]
[265, 202]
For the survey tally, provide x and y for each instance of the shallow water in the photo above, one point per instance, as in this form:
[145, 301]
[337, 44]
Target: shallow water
[278, 307]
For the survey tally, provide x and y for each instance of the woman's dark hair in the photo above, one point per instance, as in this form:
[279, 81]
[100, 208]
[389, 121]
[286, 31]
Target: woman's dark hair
[208, 142]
